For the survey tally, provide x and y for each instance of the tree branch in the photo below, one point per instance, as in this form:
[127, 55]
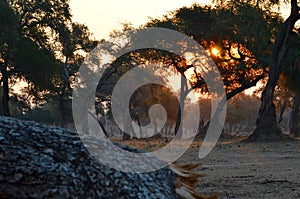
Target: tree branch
[244, 87]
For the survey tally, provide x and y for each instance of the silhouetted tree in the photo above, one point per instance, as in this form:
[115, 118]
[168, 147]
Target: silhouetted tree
[27, 53]
[267, 126]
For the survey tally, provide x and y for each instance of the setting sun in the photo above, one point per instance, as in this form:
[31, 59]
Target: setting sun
[215, 51]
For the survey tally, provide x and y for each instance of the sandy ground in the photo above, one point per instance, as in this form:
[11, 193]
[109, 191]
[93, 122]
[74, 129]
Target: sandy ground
[250, 170]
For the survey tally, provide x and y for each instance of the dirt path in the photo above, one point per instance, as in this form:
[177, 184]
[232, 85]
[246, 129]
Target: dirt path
[250, 170]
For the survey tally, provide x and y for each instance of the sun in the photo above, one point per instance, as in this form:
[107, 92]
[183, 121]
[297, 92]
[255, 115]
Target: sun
[215, 51]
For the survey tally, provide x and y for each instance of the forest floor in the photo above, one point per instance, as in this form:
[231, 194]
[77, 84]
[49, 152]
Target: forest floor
[236, 169]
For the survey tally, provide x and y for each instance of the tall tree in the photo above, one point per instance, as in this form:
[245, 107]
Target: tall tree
[291, 72]
[75, 40]
[267, 126]
[241, 59]
[238, 36]
[8, 45]
[31, 23]
[230, 30]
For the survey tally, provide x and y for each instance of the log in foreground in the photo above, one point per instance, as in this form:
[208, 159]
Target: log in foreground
[39, 161]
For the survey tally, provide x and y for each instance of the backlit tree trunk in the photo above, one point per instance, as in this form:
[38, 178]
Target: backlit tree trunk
[266, 124]
[183, 93]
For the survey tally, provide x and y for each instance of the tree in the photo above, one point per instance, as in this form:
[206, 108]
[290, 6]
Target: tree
[241, 42]
[267, 126]
[291, 71]
[281, 38]
[282, 97]
[148, 95]
[30, 24]
[118, 68]
[75, 40]
[241, 109]
[8, 45]
[241, 60]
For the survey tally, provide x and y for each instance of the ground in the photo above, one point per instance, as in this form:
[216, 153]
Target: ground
[236, 169]
[250, 170]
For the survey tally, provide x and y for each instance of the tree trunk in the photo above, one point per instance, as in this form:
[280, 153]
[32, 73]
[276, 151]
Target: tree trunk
[201, 131]
[65, 92]
[125, 136]
[282, 110]
[183, 93]
[140, 127]
[127, 128]
[230, 95]
[62, 110]
[266, 124]
[5, 95]
[294, 120]
[66, 76]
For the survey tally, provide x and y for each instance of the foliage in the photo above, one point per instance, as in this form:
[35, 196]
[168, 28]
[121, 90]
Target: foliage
[8, 32]
[243, 36]
[35, 37]
[28, 42]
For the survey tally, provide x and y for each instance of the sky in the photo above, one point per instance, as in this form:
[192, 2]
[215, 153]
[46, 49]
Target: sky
[102, 16]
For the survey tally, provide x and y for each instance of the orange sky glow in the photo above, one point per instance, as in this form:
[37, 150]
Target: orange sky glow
[104, 16]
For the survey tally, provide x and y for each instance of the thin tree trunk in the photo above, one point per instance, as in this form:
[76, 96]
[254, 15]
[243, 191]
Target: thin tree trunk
[283, 107]
[127, 128]
[233, 93]
[100, 124]
[65, 91]
[66, 75]
[62, 110]
[5, 95]
[125, 136]
[83, 105]
[183, 93]
[140, 127]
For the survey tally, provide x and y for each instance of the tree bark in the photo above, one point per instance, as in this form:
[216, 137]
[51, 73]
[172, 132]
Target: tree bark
[5, 94]
[266, 124]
